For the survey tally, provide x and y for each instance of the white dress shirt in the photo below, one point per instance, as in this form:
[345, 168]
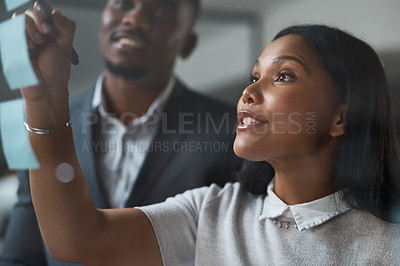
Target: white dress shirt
[120, 150]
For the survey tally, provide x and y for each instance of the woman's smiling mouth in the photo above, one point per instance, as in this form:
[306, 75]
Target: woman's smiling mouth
[248, 120]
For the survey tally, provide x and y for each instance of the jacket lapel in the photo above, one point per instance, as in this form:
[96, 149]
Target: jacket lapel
[157, 159]
[82, 127]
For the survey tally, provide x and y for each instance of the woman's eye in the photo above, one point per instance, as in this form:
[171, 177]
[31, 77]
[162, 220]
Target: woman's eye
[253, 79]
[284, 77]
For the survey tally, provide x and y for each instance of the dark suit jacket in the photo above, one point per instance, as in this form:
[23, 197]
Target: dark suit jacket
[194, 149]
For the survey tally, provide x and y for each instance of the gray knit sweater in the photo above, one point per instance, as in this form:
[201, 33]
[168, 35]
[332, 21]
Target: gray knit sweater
[226, 226]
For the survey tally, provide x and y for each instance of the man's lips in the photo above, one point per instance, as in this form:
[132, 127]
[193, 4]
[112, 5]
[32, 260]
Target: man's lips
[247, 119]
[129, 39]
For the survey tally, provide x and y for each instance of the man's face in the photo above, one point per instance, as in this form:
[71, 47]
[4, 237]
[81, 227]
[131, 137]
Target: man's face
[144, 37]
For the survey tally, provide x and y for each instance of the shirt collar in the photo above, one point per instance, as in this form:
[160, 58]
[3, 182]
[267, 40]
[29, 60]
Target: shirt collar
[306, 215]
[157, 105]
[98, 89]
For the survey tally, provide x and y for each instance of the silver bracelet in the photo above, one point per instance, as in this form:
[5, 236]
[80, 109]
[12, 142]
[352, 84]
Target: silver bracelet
[41, 131]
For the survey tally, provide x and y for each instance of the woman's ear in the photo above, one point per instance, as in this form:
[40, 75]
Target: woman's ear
[339, 123]
[189, 46]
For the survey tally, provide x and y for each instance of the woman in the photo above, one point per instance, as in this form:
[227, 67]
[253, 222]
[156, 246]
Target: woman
[317, 110]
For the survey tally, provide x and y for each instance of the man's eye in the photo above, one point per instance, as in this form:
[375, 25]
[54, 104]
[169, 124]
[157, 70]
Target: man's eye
[283, 77]
[253, 79]
[123, 4]
[162, 15]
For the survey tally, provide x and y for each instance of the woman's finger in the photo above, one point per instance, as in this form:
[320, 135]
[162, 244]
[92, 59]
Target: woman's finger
[40, 21]
[32, 32]
[45, 26]
[65, 28]
[37, 6]
[16, 14]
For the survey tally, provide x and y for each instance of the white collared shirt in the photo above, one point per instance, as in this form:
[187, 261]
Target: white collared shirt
[120, 150]
[306, 215]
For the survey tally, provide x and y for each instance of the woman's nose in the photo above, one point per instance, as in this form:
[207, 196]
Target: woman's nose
[251, 95]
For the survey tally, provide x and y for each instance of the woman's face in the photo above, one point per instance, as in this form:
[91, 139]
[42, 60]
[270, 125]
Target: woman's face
[290, 106]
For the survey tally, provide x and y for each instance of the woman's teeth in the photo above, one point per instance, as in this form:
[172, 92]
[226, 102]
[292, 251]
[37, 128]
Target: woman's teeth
[248, 120]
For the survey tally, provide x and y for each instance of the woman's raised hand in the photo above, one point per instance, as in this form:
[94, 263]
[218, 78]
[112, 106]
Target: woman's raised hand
[50, 52]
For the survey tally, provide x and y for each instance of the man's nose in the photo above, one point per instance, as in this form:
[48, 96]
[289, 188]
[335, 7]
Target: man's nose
[137, 17]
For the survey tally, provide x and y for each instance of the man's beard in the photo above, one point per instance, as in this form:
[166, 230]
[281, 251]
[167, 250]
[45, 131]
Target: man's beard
[125, 72]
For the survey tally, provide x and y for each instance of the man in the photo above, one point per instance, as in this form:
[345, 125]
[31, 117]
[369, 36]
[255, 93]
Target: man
[140, 135]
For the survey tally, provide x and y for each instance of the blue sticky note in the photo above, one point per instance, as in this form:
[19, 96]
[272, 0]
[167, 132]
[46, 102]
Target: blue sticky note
[17, 66]
[12, 4]
[16, 146]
